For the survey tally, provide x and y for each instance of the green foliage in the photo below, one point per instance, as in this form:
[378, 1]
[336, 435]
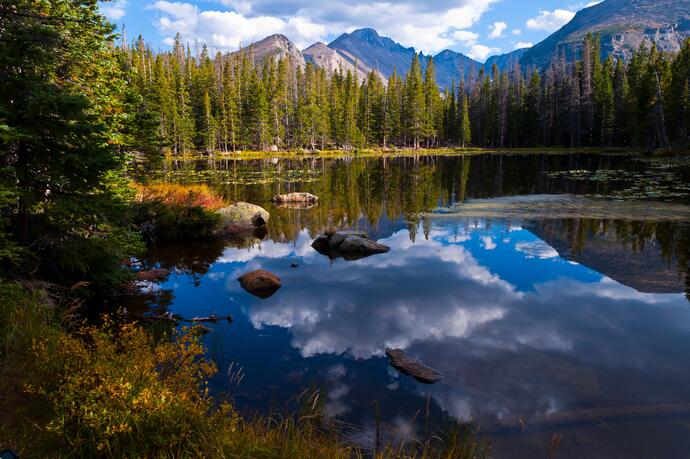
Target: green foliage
[62, 112]
[236, 102]
[161, 222]
[172, 212]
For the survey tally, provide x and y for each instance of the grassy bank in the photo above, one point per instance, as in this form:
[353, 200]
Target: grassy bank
[118, 390]
[390, 153]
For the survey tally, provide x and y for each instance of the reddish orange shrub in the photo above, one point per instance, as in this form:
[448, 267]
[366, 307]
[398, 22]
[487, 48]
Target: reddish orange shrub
[180, 195]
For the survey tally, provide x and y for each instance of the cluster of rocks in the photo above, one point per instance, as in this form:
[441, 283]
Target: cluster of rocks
[349, 245]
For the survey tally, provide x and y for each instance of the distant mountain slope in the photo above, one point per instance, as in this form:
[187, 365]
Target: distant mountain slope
[332, 60]
[623, 25]
[370, 49]
[367, 47]
[452, 66]
[276, 46]
[505, 61]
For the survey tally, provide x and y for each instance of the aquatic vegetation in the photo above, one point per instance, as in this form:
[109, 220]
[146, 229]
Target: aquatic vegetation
[659, 180]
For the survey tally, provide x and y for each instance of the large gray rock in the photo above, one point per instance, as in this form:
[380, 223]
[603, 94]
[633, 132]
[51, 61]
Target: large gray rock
[350, 245]
[243, 214]
[260, 283]
[412, 367]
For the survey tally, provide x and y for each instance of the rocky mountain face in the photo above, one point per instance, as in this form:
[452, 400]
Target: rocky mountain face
[332, 60]
[452, 66]
[367, 47]
[277, 47]
[623, 25]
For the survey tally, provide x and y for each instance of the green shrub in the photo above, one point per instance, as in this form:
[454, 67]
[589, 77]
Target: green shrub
[161, 222]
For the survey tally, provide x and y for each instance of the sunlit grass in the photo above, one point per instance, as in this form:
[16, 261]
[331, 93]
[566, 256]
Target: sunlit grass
[393, 152]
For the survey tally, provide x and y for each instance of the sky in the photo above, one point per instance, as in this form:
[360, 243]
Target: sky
[477, 28]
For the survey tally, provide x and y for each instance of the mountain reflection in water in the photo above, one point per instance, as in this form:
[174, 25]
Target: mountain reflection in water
[524, 315]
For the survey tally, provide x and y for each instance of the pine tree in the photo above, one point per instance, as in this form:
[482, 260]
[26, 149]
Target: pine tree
[432, 105]
[414, 114]
[465, 132]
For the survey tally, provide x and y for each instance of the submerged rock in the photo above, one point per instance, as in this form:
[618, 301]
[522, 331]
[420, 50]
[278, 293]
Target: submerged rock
[243, 215]
[260, 283]
[412, 367]
[350, 245]
[295, 198]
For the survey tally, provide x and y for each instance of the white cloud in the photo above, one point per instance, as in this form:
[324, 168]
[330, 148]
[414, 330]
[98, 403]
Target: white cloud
[536, 249]
[523, 44]
[550, 21]
[429, 27]
[114, 10]
[240, 6]
[488, 243]
[465, 37]
[481, 52]
[496, 29]
[516, 32]
[229, 30]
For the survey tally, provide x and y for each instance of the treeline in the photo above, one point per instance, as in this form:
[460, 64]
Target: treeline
[234, 102]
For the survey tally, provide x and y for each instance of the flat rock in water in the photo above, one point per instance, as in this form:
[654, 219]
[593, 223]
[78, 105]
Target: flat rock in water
[295, 197]
[243, 214]
[260, 283]
[412, 367]
[350, 245]
[153, 275]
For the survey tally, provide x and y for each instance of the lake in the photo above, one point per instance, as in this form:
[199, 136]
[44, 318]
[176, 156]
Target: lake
[551, 290]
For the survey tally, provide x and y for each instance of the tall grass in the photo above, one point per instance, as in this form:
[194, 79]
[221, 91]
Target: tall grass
[116, 391]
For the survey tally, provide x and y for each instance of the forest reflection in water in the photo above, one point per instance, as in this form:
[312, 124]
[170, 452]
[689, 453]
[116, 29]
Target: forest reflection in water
[525, 314]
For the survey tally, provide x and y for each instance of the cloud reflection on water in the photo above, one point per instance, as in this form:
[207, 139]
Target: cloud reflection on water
[567, 341]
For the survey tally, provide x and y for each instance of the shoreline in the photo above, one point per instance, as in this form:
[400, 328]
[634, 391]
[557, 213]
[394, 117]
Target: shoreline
[380, 153]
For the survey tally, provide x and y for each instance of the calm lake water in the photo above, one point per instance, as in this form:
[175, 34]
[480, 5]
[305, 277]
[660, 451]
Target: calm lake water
[551, 290]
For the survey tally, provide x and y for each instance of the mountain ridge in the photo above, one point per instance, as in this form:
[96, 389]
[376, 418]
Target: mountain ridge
[623, 25]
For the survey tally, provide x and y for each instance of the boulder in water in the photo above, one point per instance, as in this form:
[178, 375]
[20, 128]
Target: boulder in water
[350, 245]
[412, 367]
[243, 214]
[260, 283]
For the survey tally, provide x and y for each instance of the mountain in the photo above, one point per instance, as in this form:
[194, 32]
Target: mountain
[505, 61]
[322, 56]
[276, 46]
[452, 66]
[368, 48]
[623, 25]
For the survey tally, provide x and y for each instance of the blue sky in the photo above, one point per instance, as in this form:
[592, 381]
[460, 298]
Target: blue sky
[477, 28]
